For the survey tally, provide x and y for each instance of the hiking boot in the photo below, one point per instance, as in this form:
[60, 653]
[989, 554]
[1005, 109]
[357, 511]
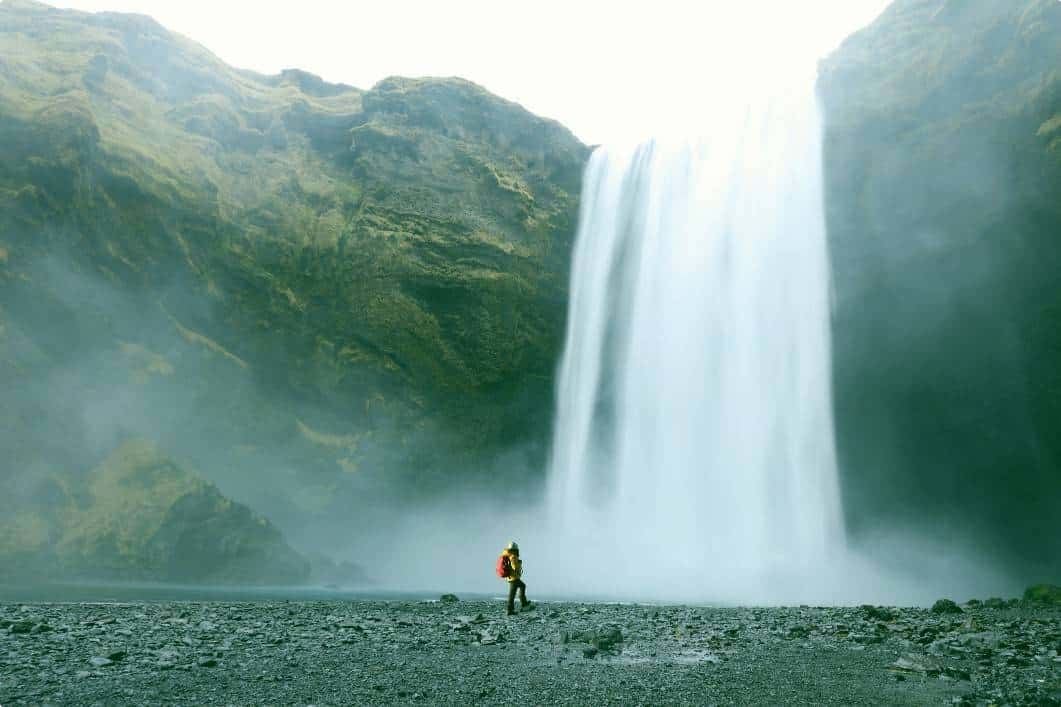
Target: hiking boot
[511, 612]
[526, 606]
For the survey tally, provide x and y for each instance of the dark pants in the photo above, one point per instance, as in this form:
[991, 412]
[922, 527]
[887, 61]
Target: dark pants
[512, 587]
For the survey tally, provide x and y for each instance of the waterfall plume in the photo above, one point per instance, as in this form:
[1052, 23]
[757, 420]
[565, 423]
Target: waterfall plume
[694, 430]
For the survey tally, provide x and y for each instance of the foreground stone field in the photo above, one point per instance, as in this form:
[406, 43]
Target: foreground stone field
[333, 652]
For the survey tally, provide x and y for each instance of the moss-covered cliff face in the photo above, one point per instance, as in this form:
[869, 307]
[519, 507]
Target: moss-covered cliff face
[317, 294]
[943, 161]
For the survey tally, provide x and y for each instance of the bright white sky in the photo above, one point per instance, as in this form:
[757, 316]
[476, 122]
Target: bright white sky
[607, 70]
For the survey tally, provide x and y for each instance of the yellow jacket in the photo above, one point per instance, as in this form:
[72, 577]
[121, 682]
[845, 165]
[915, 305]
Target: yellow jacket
[516, 563]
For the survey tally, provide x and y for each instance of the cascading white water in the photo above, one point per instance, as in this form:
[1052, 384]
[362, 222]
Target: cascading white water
[693, 453]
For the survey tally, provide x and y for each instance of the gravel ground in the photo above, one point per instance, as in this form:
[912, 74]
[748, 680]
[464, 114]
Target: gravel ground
[377, 652]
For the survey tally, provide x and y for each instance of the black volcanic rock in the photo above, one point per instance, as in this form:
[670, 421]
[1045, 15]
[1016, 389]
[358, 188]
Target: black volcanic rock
[946, 606]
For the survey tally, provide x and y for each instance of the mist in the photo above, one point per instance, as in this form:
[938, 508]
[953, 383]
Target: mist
[451, 546]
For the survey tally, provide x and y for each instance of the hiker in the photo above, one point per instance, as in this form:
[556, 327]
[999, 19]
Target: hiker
[510, 568]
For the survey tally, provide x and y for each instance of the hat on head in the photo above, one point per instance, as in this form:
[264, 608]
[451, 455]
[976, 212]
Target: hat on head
[513, 546]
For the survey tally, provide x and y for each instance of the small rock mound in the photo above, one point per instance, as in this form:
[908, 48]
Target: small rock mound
[448, 599]
[23, 626]
[602, 640]
[946, 606]
[916, 663]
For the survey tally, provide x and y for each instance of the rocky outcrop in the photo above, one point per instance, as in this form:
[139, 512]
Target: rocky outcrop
[943, 162]
[139, 516]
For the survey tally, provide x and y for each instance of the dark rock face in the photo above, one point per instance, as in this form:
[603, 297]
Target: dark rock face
[321, 296]
[205, 537]
[943, 162]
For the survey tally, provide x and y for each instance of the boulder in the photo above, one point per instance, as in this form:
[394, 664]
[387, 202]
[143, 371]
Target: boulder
[605, 639]
[23, 626]
[916, 663]
[946, 606]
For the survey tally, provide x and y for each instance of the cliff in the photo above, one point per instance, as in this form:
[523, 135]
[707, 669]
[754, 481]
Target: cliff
[318, 295]
[943, 162]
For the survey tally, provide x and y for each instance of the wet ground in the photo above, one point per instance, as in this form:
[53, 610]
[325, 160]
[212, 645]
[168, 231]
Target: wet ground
[385, 652]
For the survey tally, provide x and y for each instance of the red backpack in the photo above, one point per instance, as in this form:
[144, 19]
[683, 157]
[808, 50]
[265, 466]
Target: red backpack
[504, 566]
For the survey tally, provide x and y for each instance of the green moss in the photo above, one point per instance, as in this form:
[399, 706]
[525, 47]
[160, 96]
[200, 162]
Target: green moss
[128, 496]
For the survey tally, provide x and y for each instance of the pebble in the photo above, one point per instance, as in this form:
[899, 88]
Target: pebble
[332, 652]
[23, 626]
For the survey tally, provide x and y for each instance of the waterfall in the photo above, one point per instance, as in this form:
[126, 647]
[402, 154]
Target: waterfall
[693, 444]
